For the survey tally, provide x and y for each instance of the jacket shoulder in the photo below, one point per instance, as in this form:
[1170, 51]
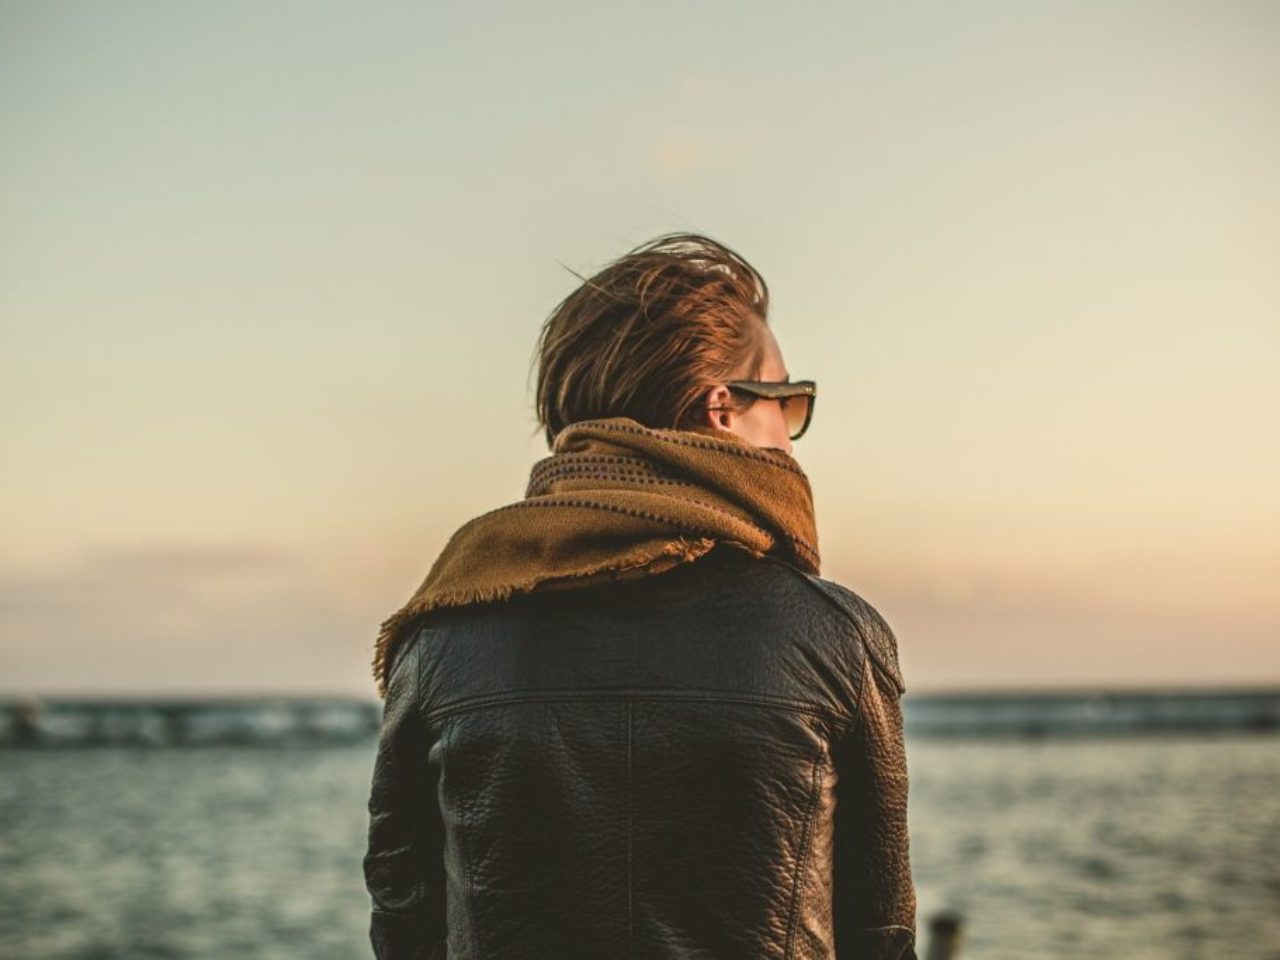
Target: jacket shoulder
[878, 639]
[876, 633]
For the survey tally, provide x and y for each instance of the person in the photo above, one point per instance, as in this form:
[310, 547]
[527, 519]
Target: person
[625, 716]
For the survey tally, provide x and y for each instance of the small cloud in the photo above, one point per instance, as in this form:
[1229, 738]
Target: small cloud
[695, 85]
[188, 559]
[677, 154]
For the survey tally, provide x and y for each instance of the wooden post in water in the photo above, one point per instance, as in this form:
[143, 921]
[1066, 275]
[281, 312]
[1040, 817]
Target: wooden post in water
[24, 718]
[946, 930]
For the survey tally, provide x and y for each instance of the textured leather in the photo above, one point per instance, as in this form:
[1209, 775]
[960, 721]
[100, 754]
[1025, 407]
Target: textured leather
[706, 763]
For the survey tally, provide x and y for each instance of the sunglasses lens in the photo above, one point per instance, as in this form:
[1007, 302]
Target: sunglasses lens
[797, 413]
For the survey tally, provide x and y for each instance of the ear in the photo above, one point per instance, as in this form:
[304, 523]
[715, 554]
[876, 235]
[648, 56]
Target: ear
[715, 412]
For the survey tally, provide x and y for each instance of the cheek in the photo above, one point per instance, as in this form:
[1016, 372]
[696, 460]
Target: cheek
[762, 417]
[768, 421]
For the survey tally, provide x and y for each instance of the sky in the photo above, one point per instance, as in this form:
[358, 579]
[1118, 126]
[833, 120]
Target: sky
[271, 276]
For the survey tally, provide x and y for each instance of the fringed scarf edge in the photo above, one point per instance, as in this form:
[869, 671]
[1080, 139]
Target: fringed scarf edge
[394, 628]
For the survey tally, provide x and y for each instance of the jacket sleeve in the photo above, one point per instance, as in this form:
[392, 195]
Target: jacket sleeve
[404, 860]
[874, 900]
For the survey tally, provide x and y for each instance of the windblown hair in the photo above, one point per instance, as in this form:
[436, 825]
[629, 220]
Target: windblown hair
[649, 334]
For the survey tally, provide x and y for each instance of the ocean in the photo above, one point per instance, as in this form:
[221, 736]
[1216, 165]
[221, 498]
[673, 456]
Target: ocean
[1053, 841]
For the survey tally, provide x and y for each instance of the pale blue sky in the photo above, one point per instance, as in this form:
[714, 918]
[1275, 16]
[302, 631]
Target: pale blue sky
[271, 275]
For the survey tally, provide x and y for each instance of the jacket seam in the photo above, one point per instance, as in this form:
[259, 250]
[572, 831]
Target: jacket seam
[419, 827]
[798, 882]
[867, 667]
[467, 883]
[630, 827]
[870, 648]
[482, 701]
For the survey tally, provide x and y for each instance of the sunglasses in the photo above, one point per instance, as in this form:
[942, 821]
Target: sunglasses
[796, 397]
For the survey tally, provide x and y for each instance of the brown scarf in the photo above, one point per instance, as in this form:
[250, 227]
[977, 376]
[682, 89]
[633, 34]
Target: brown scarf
[617, 499]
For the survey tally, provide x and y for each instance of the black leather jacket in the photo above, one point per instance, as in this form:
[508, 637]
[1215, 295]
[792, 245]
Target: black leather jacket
[704, 763]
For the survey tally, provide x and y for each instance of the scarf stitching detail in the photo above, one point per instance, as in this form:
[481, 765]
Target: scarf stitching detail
[711, 502]
[570, 472]
[656, 481]
[757, 453]
[632, 511]
[582, 461]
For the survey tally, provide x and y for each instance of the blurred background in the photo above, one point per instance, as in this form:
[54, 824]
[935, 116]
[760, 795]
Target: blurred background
[270, 280]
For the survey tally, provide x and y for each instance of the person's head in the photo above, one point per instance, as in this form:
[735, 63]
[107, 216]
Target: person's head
[656, 336]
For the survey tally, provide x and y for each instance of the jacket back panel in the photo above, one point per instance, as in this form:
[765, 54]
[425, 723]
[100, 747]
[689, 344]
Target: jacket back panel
[642, 768]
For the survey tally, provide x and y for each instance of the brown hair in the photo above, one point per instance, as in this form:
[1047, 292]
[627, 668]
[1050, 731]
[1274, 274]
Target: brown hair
[647, 335]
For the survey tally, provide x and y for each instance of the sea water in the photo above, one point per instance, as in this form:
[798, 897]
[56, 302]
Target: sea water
[1087, 847]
